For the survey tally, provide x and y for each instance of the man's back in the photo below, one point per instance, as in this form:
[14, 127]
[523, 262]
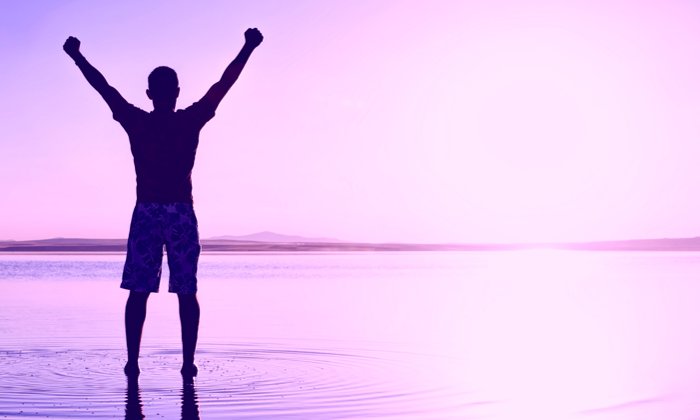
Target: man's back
[164, 145]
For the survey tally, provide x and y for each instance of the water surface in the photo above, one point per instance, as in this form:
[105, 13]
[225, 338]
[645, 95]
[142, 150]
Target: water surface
[502, 335]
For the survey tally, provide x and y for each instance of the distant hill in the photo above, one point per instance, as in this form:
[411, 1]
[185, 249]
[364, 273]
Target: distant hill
[267, 236]
[65, 245]
[665, 244]
[273, 242]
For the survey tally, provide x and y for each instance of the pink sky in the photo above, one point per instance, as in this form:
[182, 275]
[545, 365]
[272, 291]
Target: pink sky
[368, 120]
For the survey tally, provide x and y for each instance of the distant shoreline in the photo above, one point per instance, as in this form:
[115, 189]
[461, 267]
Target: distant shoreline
[118, 246]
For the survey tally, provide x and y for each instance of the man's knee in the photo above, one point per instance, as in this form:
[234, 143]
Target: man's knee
[138, 297]
[187, 298]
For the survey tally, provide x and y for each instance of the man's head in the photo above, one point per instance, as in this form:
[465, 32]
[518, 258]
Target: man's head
[163, 87]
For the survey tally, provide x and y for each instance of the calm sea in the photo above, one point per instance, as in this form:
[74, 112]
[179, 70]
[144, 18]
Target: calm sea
[424, 335]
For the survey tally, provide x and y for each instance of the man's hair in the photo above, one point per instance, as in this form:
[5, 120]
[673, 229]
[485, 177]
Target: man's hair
[162, 80]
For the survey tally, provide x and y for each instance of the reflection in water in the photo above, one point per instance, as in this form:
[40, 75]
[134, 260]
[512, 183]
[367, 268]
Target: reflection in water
[134, 408]
[190, 409]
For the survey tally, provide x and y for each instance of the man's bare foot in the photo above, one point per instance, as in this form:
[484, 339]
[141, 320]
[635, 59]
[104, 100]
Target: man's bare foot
[189, 371]
[132, 369]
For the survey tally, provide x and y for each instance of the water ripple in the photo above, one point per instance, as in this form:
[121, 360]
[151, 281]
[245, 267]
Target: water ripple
[243, 381]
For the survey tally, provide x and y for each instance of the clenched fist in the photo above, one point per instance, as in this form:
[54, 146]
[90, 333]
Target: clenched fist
[72, 46]
[253, 37]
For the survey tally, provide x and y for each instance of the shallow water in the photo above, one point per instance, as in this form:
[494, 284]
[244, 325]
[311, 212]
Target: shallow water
[255, 380]
[509, 335]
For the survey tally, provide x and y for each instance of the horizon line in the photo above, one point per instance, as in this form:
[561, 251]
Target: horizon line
[235, 238]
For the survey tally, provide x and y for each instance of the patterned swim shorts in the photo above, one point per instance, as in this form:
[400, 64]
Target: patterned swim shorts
[154, 225]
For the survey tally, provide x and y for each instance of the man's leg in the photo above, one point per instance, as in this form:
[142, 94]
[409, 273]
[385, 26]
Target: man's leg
[134, 317]
[189, 322]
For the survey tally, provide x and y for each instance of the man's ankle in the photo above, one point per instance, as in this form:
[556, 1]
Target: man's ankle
[132, 368]
[189, 369]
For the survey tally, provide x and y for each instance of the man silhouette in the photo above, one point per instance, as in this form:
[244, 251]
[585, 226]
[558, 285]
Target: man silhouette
[163, 144]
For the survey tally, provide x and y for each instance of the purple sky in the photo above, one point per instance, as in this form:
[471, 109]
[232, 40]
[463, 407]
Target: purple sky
[368, 120]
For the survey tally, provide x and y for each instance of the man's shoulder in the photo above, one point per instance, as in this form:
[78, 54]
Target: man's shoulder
[199, 106]
[200, 111]
[128, 112]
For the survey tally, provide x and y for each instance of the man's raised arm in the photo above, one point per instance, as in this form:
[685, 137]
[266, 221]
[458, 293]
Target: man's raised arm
[216, 93]
[113, 98]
